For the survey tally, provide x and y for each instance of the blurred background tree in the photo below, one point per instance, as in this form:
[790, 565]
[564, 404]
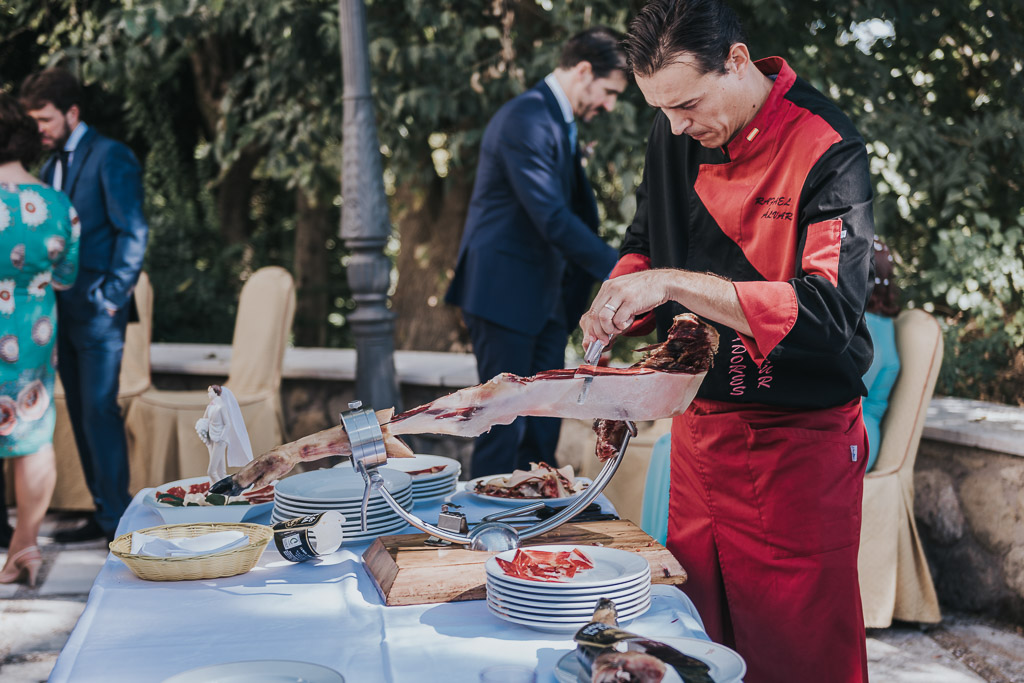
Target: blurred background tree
[235, 109]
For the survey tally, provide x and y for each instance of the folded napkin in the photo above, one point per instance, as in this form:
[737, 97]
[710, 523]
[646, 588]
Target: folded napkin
[218, 541]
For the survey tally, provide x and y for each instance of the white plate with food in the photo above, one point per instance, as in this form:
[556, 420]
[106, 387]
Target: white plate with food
[264, 671]
[612, 568]
[425, 468]
[190, 492]
[472, 484]
[725, 665]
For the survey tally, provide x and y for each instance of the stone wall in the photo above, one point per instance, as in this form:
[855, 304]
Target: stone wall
[969, 505]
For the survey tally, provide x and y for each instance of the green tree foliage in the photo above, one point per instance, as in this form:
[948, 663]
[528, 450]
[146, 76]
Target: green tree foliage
[939, 98]
[236, 104]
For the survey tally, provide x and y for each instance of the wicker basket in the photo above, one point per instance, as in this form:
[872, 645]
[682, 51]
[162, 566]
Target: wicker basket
[211, 566]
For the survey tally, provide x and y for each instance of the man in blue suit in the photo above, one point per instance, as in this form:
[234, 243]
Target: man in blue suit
[530, 252]
[104, 182]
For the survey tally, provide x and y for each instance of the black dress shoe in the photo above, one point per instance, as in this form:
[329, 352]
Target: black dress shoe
[90, 531]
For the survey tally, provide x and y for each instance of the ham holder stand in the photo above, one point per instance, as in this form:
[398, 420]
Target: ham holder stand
[368, 454]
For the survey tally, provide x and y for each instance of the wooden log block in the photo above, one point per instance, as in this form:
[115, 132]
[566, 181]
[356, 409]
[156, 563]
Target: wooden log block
[407, 572]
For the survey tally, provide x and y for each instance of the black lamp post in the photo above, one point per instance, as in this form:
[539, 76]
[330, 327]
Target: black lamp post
[365, 225]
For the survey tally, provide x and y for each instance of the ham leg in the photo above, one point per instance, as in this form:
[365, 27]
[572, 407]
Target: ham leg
[279, 461]
[661, 385]
[615, 394]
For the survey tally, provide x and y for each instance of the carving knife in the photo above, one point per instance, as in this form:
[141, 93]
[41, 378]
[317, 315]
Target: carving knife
[591, 357]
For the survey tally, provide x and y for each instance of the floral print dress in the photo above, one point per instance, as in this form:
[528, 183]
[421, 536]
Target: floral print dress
[39, 233]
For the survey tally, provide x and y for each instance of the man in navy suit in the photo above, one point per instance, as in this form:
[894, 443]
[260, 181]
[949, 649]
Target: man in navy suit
[104, 182]
[530, 252]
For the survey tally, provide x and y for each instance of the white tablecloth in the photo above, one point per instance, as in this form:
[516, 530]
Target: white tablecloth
[326, 611]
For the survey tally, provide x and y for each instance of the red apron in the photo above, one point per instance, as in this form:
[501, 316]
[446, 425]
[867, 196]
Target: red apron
[765, 518]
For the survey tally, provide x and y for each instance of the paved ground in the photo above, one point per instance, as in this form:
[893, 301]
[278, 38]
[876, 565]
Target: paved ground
[35, 623]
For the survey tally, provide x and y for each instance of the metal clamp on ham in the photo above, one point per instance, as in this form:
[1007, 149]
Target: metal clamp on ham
[368, 454]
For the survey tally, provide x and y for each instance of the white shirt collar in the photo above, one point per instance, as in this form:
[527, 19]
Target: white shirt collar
[76, 136]
[563, 101]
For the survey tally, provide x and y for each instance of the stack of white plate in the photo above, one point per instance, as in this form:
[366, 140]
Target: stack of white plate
[565, 606]
[341, 489]
[429, 486]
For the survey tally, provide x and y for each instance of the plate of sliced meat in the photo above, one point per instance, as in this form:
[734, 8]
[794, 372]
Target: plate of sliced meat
[541, 482]
[189, 500]
[724, 665]
[595, 567]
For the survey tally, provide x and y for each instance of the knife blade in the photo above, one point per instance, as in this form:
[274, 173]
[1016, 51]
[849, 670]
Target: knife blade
[591, 357]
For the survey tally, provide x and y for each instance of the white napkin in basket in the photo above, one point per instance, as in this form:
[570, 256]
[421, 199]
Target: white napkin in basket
[218, 541]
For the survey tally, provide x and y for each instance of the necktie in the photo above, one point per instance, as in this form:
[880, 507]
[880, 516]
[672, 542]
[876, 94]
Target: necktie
[63, 158]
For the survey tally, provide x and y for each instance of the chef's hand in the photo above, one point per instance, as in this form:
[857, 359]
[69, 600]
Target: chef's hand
[623, 299]
[620, 301]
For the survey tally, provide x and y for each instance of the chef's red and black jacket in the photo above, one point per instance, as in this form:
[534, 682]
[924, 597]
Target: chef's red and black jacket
[784, 211]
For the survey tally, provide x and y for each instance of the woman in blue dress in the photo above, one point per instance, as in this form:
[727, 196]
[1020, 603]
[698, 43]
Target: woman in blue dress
[882, 309]
[39, 233]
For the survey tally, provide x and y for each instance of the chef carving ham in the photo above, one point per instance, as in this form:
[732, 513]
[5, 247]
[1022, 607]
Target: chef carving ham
[660, 385]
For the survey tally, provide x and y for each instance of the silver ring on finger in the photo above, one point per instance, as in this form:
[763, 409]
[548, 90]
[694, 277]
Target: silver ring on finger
[613, 309]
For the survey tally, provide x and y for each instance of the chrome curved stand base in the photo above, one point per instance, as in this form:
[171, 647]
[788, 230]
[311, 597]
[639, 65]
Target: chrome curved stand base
[368, 453]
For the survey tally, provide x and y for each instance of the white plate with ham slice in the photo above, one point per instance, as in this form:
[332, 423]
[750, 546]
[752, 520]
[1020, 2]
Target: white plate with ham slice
[610, 567]
[580, 485]
[426, 468]
[726, 665]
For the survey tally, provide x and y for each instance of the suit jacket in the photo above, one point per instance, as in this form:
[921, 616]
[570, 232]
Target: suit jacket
[105, 187]
[530, 250]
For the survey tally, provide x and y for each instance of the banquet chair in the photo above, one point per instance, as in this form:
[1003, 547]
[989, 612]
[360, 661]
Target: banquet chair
[894, 579]
[626, 488]
[161, 424]
[654, 518]
[71, 492]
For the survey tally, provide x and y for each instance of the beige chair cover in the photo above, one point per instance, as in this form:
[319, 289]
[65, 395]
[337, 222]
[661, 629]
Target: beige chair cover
[894, 579]
[161, 424]
[626, 489]
[71, 493]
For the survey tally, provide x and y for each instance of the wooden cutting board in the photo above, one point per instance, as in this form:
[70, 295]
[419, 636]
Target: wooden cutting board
[407, 572]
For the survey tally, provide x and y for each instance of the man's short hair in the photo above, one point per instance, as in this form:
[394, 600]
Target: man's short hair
[53, 86]
[665, 29]
[601, 46]
[19, 134]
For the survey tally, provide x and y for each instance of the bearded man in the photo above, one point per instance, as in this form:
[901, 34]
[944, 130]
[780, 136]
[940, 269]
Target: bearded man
[104, 181]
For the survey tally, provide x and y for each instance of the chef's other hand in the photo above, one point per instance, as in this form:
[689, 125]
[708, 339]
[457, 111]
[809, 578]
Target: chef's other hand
[620, 301]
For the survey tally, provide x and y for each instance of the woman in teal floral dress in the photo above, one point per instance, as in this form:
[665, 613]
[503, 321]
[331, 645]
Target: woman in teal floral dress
[39, 233]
